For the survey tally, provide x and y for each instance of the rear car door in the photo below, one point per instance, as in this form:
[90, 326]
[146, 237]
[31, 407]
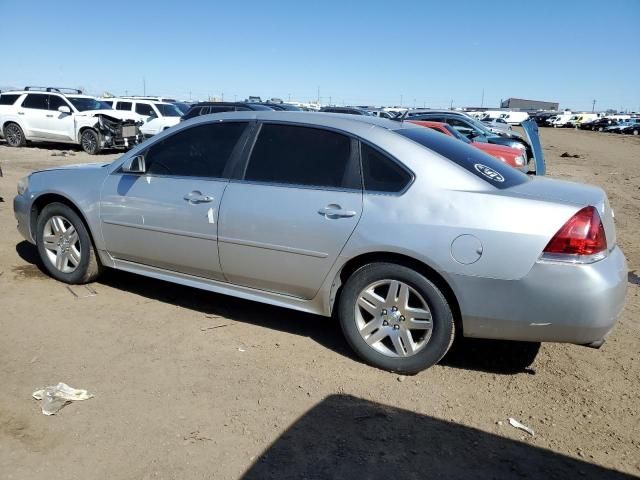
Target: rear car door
[284, 224]
[168, 217]
[152, 123]
[35, 115]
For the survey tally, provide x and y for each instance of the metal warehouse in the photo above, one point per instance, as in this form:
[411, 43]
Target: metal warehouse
[528, 104]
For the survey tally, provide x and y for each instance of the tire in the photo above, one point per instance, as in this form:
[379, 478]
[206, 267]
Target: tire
[90, 141]
[429, 344]
[14, 135]
[600, 129]
[636, 131]
[80, 264]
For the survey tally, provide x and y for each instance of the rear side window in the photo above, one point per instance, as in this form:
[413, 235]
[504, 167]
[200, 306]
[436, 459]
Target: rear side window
[381, 173]
[108, 102]
[36, 101]
[144, 109]
[200, 151]
[123, 106]
[301, 156]
[483, 166]
[8, 99]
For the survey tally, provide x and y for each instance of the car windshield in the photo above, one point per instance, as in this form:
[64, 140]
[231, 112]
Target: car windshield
[183, 107]
[83, 104]
[457, 134]
[476, 162]
[168, 110]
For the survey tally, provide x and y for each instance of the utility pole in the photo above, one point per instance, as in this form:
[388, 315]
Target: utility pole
[401, 100]
[189, 95]
[593, 106]
[414, 103]
[289, 98]
[451, 105]
[482, 101]
[126, 93]
[222, 96]
[330, 100]
[144, 86]
[318, 95]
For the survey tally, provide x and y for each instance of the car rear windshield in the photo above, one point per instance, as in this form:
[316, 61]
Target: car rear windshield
[483, 166]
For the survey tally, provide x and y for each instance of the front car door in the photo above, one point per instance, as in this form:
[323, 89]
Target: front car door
[284, 224]
[152, 123]
[61, 124]
[168, 217]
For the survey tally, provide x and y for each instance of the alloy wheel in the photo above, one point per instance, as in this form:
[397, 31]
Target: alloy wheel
[62, 244]
[89, 142]
[393, 318]
[13, 134]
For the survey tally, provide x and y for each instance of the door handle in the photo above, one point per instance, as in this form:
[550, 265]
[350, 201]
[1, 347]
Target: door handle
[50, 116]
[20, 113]
[335, 211]
[198, 197]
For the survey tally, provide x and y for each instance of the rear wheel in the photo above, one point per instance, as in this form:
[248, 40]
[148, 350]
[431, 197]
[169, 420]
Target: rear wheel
[65, 246]
[395, 318]
[90, 141]
[14, 135]
[636, 131]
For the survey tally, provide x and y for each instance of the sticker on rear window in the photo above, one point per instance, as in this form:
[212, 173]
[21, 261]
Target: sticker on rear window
[489, 172]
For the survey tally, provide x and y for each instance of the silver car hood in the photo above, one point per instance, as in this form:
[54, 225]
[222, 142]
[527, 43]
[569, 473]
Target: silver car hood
[76, 166]
[531, 131]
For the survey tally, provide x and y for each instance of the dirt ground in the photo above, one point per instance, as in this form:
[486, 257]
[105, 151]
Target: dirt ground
[193, 385]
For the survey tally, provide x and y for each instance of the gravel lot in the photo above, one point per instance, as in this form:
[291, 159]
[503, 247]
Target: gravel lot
[193, 385]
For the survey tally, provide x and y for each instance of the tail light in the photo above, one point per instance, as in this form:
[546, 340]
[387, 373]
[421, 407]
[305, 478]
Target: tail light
[581, 240]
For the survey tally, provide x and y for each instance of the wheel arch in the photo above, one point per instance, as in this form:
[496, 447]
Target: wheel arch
[87, 127]
[47, 198]
[400, 259]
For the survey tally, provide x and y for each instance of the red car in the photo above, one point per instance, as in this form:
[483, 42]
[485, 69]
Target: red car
[508, 155]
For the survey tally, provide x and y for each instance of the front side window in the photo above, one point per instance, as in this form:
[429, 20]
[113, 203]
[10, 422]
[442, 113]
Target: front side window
[36, 101]
[8, 98]
[57, 102]
[294, 155]
[144, 109]
[200, 151]
[124, 106]
[381, 173]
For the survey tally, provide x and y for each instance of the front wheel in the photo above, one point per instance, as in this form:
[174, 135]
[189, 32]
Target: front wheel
[65, 246]
[395, 318]
[90, 142]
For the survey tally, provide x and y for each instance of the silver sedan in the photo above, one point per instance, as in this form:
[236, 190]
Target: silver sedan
[409, 236]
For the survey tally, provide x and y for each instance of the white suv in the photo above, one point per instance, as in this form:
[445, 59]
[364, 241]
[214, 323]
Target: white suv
[46, 114]
[157, 116]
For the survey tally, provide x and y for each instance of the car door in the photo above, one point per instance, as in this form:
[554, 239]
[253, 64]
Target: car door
[61, 124]
[168, 216]
[35, 115]
[284, 224]
[152, 123]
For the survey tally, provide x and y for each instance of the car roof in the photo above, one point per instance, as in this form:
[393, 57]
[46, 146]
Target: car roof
[342, 121]
[134, 100]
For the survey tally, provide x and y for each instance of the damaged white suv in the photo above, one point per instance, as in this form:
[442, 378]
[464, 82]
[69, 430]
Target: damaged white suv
[46, 114]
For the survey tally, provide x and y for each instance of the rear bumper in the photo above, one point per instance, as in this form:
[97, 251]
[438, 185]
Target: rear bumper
[554, 302]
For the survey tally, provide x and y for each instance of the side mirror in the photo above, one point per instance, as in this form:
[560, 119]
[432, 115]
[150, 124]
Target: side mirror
[134, 165]
[64, 109]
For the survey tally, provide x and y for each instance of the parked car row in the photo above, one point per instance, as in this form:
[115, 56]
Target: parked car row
[620, 123]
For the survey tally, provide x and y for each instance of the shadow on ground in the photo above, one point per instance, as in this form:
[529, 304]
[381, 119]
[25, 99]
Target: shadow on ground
[633, 278]
[470, 354]
[349, 438]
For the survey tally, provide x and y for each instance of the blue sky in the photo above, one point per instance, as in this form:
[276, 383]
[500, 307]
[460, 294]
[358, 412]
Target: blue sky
[368, 52]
